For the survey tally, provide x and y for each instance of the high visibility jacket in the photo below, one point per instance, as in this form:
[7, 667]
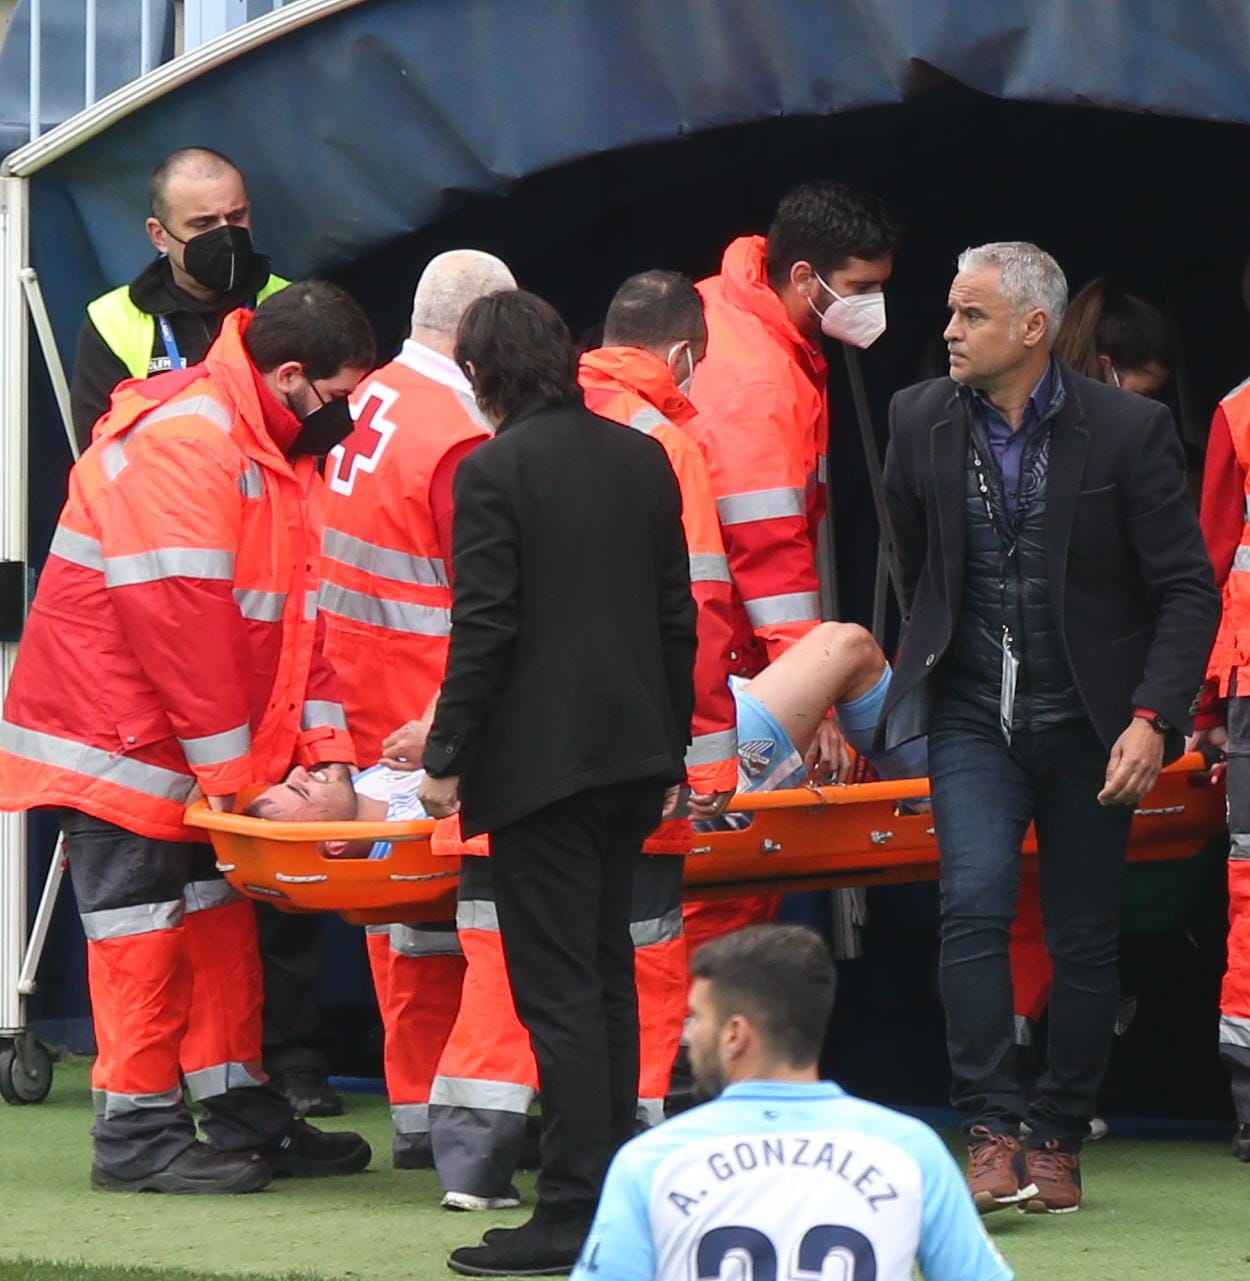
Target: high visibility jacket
[633, 387]
[386, 592]
[763, 425]
[1232, 642]
[131, 332]
[174, 638]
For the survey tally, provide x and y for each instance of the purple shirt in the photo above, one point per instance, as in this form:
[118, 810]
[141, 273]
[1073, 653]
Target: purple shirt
[1007, 445]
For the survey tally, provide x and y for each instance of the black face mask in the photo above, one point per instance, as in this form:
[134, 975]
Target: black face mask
[327, 426]
[220, 259]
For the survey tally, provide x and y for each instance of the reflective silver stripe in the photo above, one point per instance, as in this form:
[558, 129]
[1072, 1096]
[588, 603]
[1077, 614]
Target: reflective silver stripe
[207, 1083]
[113, 459]
[1241, 558]
[707, 749]
[217, 749]
[791, 607]
[650, 1112]
[200, 407]
[124, 922]
[378, 929]
[709, 567]
[386, 562]
[412, 940]
[107, 1103]
[647, 419]
[203, 896]
[260, 607]
[77, 548]
[1239, 846]
[1247, 508]
[761, 504]
[1234, 1030]
[252, 482]
[410, 1118]
[1024, 1030]
[319, 711]
[95, 762]
[660, 929]
[396, 615]
[494, 1096]
[311, 604]
[168, 562]
[822, 468]
[477, 914]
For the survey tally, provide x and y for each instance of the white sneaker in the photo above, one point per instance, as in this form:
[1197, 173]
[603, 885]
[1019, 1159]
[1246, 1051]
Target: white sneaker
[467, 1201]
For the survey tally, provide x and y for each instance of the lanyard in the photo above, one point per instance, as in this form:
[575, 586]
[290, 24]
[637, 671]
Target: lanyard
[176, 359]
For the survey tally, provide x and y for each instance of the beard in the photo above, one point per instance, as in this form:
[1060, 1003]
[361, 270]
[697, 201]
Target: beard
[709, 1081]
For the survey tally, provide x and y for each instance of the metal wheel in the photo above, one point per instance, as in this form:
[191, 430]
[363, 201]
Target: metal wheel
[25, 1073]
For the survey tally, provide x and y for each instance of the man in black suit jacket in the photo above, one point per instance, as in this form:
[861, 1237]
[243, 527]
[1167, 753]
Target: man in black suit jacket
[563, 718]
[1060, 607]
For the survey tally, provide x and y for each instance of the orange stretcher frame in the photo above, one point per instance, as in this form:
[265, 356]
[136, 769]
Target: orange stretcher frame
[805, 838]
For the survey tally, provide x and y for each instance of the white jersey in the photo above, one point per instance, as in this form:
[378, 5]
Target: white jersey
[398, 788]
[783, 1181]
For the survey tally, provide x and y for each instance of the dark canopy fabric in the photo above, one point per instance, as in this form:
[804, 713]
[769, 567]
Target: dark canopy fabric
[585, 141]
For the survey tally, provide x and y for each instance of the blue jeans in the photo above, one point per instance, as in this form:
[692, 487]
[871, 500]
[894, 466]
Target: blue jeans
[985, 794]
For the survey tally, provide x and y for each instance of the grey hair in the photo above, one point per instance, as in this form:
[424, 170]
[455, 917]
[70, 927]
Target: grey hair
[451, 283]
[1031, 278]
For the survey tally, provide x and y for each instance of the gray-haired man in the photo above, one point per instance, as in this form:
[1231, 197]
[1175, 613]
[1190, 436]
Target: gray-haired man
[1060, 608]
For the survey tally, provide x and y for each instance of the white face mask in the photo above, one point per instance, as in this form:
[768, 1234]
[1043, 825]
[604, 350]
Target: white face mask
[684, 385]
[858, 320]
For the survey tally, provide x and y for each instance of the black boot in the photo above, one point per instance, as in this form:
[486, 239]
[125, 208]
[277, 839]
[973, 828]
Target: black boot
[195, 1171]
[304, 1152]
[308, 1092]
[540, 1248]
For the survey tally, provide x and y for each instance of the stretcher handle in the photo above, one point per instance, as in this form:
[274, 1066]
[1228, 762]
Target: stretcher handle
[199, 815]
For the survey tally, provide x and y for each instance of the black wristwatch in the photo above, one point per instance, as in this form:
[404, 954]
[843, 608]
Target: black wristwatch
[1159, 724]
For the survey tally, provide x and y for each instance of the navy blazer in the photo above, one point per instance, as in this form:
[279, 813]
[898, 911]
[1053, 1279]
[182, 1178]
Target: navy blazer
[1132, 587]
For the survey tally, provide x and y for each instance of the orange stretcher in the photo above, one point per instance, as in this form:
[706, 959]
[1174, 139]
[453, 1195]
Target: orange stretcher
[805, 838]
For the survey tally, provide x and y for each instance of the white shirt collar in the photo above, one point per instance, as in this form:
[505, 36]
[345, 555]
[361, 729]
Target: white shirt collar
[433, 365]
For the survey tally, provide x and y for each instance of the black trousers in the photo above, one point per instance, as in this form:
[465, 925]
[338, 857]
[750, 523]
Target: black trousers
[985, 794]
[290, 955]
[563, 892]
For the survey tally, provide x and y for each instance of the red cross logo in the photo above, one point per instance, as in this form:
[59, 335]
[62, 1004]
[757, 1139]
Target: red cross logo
[363, 449]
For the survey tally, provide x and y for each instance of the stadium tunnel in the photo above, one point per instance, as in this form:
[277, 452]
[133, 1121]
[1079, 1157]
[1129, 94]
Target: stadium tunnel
[585, 142]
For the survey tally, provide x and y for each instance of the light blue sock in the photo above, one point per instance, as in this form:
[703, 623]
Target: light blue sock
[858, 718]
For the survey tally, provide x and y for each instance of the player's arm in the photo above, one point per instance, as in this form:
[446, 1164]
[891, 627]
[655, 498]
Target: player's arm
[619, 1246]
[761, 498]
[954, 1245]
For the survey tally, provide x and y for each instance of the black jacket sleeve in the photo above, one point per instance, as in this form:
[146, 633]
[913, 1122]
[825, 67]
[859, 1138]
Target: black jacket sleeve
[678, 612]
[484, 616]
[97, 371]
[908, 529]
[1162, 527]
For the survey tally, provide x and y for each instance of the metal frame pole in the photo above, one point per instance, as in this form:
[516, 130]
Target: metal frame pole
[89, 51]
[51, 355]
[14, 356]
[36, 69]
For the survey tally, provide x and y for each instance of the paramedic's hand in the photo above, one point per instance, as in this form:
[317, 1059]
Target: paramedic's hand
[1135, 762]
[402, 749]
[709, 804]
[671, 796]
[440, 796]
[221, 804]
[829, 756]
[1212, 743]
[331, 771]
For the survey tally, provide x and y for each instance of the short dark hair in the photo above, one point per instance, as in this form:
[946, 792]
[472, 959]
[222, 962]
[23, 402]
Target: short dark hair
[781, 977]
[520, 351]
[826, 223]
[655, 309]
[314, 322]
[158, 183]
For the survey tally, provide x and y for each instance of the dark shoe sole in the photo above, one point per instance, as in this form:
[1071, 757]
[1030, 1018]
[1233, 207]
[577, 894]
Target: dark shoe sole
[473, 1270]
[251, 1178]
[1241, 1149]
[987, 1203]
[297, 1167]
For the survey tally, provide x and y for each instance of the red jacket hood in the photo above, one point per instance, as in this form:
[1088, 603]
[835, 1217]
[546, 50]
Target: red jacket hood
[744, 274]
[638, 371]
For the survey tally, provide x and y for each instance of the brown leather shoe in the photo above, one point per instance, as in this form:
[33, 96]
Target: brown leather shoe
[1056, 1177]
[996, 1170]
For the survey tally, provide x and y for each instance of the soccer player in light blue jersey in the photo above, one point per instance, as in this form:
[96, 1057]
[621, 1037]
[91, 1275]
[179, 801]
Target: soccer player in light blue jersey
[782, 1176]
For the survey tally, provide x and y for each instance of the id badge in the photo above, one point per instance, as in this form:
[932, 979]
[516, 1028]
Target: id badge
[1007, 694]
